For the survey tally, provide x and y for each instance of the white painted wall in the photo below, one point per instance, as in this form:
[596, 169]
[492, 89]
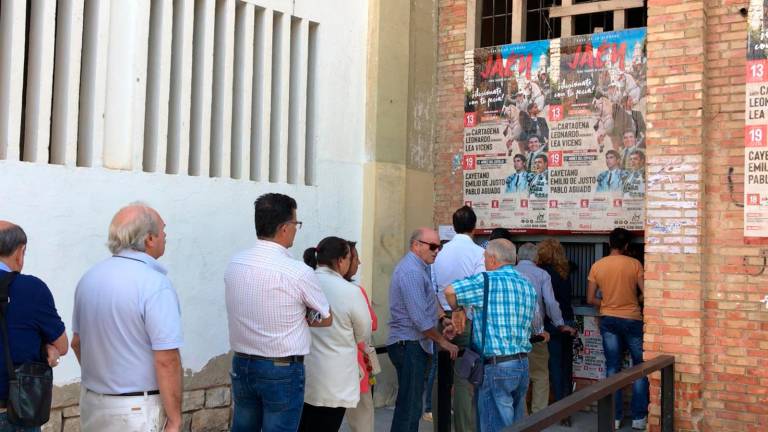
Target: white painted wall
[66, 210]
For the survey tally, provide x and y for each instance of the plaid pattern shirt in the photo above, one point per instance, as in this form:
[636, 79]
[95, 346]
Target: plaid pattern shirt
[512, 306]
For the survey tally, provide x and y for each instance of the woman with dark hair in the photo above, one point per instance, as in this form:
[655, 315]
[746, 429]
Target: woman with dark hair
[360, 418]
[551, 257]
[332, 372]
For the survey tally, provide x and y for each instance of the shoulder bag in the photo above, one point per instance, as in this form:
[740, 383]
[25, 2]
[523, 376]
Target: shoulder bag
[470, 365]
[30, 385]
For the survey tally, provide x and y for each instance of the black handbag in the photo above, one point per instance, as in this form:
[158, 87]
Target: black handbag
[30, 385]
[470, 365]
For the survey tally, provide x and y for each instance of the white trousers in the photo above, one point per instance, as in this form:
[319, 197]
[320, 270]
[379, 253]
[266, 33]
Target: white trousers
[360, 419]
[99, 413]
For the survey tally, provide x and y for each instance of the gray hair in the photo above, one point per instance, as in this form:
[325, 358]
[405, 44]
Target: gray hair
[527, 252]
[415, 236]
[131, 232]
[11, 238]
[503, 250]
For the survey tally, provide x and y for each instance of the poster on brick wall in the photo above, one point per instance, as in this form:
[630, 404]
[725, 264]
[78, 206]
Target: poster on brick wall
[569, 116]
[506, 94]
[756, 123]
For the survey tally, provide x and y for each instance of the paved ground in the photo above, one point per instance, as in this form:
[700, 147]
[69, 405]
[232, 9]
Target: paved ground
[582, 422]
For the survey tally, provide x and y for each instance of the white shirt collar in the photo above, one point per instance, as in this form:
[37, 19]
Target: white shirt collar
[276, 247]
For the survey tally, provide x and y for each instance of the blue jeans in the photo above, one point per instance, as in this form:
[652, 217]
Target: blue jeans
[620, 334]
[7, 427]
[501, 399]
[268, 396]
[560, 361]
[430, 383]
[410, 361]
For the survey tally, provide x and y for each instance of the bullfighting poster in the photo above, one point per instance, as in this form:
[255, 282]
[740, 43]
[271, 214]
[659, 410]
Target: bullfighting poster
[756, 127]
[568, 115]
[506, 96]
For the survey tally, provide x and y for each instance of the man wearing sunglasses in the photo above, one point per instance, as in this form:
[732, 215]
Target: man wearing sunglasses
[414, 313]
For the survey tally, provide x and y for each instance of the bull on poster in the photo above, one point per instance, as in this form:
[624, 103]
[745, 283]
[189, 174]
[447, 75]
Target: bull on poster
[507, 90]
[597, 138]
[569, 116]
[756, 124]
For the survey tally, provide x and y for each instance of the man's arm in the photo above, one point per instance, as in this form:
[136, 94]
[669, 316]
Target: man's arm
[76, 345]
[442, 341]
[591, 294]
[414, 298]
[324, 322]
[168, 371]
[458, 316]
[56, 349]
[550, 302]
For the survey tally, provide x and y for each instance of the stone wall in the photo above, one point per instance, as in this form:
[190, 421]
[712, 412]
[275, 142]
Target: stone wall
[206, 404]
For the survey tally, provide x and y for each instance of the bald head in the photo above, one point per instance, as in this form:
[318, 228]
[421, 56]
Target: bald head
[13, 242]
[137, 227]
[425, 243]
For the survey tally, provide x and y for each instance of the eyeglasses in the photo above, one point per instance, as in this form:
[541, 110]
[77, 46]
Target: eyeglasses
[297, 223]
[432, 246]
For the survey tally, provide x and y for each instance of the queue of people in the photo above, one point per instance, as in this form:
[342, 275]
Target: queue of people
[300, 331]
[517, 307]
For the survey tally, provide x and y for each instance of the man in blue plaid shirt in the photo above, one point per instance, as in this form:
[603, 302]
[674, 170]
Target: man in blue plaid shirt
[512, 317]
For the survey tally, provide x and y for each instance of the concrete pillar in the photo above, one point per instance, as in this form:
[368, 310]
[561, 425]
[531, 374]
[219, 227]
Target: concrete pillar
[398, 188]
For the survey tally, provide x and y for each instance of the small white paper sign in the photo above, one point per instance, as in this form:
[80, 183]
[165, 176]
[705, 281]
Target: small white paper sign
[446, 232]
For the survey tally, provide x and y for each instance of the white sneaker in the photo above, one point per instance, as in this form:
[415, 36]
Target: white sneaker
[640, 424]
[616, 424]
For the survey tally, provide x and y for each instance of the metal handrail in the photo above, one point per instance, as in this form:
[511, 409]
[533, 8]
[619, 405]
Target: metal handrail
[603, 392]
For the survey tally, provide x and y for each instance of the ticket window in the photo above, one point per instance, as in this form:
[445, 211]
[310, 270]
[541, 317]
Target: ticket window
[582, 252]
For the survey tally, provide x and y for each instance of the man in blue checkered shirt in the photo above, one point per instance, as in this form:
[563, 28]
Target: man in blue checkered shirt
[512, 317]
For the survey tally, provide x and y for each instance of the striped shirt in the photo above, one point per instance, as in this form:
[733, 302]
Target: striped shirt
[413, 304]
[511, 304]
[267, 295]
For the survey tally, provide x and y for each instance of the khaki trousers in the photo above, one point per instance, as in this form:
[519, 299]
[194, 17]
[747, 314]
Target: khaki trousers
[464, 419]
[360, 418]
[538, 363]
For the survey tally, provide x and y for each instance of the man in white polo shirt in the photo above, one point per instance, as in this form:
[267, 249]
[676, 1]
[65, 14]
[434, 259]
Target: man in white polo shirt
[459, 259]
[127, 332]
[272, 300]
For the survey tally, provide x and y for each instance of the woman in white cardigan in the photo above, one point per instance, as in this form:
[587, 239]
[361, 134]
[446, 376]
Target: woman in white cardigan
[332, 371]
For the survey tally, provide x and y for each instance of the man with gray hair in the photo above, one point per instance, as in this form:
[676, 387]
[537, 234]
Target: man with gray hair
[30, 313]
[549, 308]
[414, 312]
[511, 318]
[127, 331]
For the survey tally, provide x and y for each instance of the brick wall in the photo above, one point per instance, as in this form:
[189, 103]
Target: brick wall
[452, 26]
[701, 304]
[675, 204]
[735, 349]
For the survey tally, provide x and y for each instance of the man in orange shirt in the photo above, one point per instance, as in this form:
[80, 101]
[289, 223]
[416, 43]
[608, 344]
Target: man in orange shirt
[620, 280]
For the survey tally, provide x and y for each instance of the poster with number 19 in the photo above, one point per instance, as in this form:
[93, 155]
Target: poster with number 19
[756, 124]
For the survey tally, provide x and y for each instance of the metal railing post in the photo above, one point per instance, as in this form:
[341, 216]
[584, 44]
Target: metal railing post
[441, 402]
[606, 409]
[668, 398]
